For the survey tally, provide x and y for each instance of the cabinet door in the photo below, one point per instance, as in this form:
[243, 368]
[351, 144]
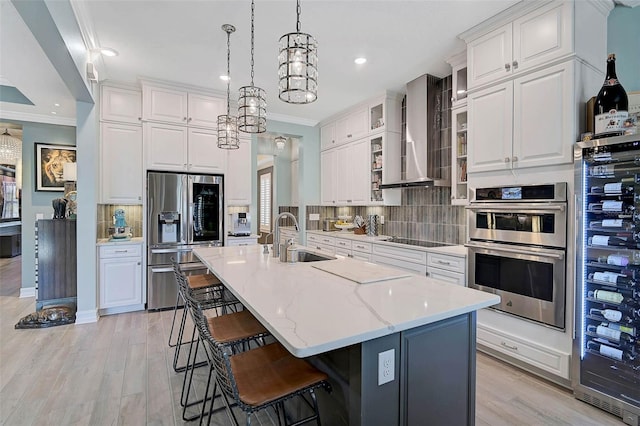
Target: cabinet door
[162, 104]
[328, 136]
[490, 128]
[447, 276]
[294, 182]
[328, 177]
[204, 110]
[541, 36]
[357, 124]
[203, 153]
[120, 282]
[122, 105]
[489, 56]
[121, 163]
[238, 177]
[353, 173]
[543, 117]
[165, 147]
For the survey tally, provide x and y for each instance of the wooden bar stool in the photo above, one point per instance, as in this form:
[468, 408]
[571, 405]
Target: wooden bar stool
[236, 330]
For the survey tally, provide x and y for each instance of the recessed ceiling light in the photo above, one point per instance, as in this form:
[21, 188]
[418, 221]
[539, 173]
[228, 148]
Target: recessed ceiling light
[56, 105]
[224, 77]
[360, 61]
[107, 51]
[53, 112]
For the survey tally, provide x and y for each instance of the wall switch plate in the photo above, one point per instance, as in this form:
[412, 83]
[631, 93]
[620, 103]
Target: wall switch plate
[314, 216]
[381, 220]
[386, 366]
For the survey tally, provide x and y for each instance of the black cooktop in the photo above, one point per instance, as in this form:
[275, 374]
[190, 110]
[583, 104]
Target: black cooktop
[411, 242]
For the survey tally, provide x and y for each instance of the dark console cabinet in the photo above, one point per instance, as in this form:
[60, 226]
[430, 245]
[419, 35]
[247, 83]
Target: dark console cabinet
[56, 262]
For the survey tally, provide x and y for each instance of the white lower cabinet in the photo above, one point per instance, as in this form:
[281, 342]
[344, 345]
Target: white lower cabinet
[445, 267]
[400, 257]
[242, 241]
[120, 269]
[321, 243]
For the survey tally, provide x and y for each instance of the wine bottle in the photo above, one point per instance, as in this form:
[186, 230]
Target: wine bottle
[630, 330]
[614, 259]
[618, 188]
[613, 224]
[613, 278]
[611, 241]
[613, 334]
[613, 315]
[608, 296]
[610, 352]
[611, 108]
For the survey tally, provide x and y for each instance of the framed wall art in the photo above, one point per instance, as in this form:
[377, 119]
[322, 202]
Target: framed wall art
[49, 165]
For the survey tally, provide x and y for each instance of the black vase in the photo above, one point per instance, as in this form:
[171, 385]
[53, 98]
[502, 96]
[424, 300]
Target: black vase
[59, 208]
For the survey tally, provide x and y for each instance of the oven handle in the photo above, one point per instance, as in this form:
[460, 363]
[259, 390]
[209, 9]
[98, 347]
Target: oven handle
[500, 208]
[529, 250]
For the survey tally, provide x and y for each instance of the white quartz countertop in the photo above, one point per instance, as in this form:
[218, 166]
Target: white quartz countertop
[350, 235]
[110, 242]
[311, 311]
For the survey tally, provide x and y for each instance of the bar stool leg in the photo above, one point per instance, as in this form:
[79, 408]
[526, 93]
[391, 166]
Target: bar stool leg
[173, 322]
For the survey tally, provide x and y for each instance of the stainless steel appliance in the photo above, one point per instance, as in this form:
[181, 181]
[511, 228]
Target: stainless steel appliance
[606, 353]
[240, 224]
[183, 211]
[329, 225]
[517, 249]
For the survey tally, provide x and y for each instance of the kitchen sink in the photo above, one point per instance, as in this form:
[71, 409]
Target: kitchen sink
[306, 256]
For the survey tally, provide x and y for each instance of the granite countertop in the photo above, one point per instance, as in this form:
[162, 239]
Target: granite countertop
[311, 311]
[109, 242]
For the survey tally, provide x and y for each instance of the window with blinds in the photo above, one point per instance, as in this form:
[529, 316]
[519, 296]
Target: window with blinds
[265, 202]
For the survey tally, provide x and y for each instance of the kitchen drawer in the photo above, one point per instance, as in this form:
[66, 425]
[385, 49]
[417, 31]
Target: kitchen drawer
[343, 252]
[360, 255]
[343, 244]
[406, 255]
[320, 239]
[419, 268]
[322, 248]
[526, 351]
[446, 276]
[121, 250]
[443, 261]
[361, 246]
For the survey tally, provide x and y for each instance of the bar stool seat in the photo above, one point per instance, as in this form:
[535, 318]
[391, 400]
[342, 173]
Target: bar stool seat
[201, 281]
[270, 372]
[235, 327]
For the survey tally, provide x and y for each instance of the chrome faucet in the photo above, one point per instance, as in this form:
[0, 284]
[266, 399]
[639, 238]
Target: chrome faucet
[276, 231]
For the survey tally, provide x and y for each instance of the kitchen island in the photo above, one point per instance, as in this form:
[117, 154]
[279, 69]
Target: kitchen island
[426, 327]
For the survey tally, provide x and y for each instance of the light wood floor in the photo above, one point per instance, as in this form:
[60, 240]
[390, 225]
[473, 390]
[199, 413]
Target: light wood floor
[118, 372]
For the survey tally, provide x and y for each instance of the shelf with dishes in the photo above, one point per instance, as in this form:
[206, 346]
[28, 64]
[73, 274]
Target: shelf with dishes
[459, 154]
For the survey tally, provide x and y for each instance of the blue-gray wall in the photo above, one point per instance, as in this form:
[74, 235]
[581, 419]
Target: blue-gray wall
[623, 39]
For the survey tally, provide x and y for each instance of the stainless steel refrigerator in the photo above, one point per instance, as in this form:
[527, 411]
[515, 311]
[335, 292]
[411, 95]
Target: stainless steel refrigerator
[606, 352]
[184, 211]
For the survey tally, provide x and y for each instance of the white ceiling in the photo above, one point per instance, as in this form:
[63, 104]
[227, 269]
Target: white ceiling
[182, 41]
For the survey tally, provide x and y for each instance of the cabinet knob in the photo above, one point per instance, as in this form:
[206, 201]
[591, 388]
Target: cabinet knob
[189, 120]
[138, 263]
[514, 159]
[515, 65]
[184, 118]
[507, 67]
[349, 135]
[139, 118]
[507, 159]
[426, 274]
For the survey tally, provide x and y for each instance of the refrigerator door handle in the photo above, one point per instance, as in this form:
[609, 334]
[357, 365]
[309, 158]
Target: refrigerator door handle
[160, 251]
[189, 209]
[156, 270]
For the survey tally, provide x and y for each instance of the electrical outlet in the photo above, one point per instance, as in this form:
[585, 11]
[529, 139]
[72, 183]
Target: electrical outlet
[386, 366]
[381, 220]
[314, 216]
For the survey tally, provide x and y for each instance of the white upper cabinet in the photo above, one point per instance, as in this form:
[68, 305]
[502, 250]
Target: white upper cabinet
[328, 136]
[238, 177]
[534, 39]
[120, 104]
[328, 169]
[179, 148]
[352, 126]
[527, 122]
[177, 106]
[353, 173]
[120, 163]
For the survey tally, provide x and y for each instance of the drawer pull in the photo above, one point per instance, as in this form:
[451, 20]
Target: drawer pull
[442, 262]
[359, 246]
[513, 348]
[122, 251]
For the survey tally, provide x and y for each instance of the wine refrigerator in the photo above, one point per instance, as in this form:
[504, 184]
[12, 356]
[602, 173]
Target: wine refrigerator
[606, 348]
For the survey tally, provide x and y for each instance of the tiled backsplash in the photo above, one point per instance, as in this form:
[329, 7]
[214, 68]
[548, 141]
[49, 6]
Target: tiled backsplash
[132, 214]
[426, 214]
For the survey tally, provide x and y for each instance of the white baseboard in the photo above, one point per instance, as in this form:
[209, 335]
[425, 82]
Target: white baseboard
[87, 317]
[121, 309]
[27, 292]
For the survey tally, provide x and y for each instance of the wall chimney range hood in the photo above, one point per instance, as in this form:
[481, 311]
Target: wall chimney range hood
[422, 134]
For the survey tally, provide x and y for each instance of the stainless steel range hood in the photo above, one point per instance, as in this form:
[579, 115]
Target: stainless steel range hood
[423, 144]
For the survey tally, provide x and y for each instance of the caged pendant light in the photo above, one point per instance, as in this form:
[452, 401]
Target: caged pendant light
[252, 102]
[10, 148]
[228, 124]
[298, 66]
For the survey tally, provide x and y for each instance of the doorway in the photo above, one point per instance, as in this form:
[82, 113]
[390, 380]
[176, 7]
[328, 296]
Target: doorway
[265, 198]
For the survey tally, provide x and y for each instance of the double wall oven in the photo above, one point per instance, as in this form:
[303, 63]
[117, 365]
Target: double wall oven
[517, 249]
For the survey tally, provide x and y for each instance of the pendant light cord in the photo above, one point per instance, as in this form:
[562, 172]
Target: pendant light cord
[252, 8]
[228, 69]
[298, 11]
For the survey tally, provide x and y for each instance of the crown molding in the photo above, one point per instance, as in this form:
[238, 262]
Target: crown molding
[38, 118]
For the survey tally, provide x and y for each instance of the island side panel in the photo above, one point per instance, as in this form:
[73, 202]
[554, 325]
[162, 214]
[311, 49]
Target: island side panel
[438, 373]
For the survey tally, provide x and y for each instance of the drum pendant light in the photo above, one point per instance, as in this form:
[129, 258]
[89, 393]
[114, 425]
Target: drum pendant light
[298, 66]
[228, 124]
[252, 102]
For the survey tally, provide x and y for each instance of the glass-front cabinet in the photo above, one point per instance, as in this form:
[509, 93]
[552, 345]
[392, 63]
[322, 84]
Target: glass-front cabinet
[458, 64]
[459, 156]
